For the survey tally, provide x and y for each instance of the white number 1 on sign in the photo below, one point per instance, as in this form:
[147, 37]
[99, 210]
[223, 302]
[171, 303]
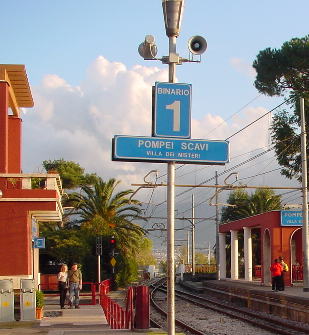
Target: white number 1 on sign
[175, 106]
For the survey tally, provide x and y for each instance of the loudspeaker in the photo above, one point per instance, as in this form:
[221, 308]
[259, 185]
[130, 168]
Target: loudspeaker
[197, 45]
[148, 49]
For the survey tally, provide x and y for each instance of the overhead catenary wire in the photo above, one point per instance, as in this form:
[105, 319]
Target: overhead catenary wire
[198, 204]
[232, 168]
[242, 129]
[259, 118]
[238, 111]
[221, 174]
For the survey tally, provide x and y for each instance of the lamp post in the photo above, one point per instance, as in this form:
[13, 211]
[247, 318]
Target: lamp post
[172, 10]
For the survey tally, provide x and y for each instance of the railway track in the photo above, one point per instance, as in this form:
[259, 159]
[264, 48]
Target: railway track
[182, 326]
[261, 320]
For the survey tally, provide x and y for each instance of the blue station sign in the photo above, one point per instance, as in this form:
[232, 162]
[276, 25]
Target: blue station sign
[39, 242]
[291, 218]
[172, 110]
[160, 150]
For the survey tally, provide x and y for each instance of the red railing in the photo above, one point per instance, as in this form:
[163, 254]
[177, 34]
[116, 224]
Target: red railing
[297, 273]
[116, 316]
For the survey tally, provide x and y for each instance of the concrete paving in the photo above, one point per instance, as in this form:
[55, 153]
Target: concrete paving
[88, 320]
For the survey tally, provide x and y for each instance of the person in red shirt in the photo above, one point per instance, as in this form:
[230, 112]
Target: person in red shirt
[276, 270]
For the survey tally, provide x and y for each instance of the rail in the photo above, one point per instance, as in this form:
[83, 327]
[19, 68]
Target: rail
[116, 316]
[157, 286]
[33, 187]
[30, 181]
[257, 316]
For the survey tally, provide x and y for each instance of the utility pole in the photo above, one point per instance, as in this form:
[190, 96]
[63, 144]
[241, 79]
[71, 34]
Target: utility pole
[217, 228]
[193, 238]
[188, 248]
[305, 196]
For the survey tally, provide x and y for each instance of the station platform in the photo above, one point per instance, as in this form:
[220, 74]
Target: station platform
[295, 290]
[291, 304]
[88, 320]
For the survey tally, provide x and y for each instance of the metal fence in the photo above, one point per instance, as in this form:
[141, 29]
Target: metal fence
[116, 316]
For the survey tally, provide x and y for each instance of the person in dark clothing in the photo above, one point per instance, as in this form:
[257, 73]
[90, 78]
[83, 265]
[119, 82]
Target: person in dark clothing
[276, 270]
[63, 284]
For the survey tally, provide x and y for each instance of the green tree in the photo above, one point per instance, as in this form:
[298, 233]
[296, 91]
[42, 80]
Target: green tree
[144, 254]
[104, 212]
[279, 71]
[65, 245]
[283, 69]
[261, 201]
[237, 199]
[72, 174]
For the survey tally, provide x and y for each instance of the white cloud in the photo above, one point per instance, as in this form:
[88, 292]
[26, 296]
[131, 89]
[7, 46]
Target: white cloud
[78, 122]
[213, 127]
[243, 67]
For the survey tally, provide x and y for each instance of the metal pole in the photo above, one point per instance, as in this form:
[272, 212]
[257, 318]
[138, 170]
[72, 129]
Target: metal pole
[208, 253]
[170, 217]
[305, 196]
[99, 269]
[217, 229]
[188, 248]
[193, 238]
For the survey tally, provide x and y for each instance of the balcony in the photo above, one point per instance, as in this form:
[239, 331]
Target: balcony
[34, 187]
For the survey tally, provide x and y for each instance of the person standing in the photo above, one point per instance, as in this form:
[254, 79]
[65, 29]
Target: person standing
[75, 285]
[285, 268]
[63, 284]
[276, 270]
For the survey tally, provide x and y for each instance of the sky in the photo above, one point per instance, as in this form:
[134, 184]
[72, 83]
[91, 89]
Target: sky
[89, 83]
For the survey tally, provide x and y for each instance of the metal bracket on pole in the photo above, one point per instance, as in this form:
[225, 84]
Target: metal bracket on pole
[227, 187]
[147, 184]
[231, 174]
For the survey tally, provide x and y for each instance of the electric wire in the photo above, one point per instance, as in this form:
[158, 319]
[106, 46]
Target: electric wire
[284, 102]
[232, 168]
[238, 111]
[198, 204]
[251, 123]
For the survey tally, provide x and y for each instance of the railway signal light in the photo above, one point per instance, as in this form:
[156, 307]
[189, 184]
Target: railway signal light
[112, 242]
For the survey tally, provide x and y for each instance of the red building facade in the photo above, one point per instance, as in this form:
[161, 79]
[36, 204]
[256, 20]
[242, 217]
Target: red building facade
[25, 199]
[280, 234]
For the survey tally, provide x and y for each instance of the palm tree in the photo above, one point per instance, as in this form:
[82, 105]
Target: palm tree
[261, 201]
[101, 211]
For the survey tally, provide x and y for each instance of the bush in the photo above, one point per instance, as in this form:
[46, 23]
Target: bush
[39, 299]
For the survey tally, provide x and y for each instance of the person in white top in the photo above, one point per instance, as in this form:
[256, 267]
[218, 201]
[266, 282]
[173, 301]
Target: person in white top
[63, 284]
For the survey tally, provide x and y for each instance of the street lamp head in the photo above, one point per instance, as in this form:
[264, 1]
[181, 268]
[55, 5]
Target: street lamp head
[172, 11]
